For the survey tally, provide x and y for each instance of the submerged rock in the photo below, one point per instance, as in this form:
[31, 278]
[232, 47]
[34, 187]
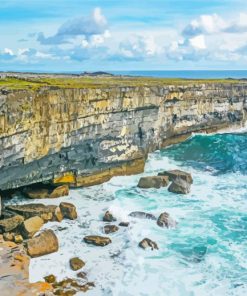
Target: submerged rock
[10, 224]
[46, 192]
[108, 217]
[148, 243]
[30, 226]
[97, 240]
[110, 229]
[165, 220]
[124, 224]
[45, 243]
[68, 210]
[76, 263]
[142, 215]
[174, 174]
[179, 186]
[82, 275]
[153, 182]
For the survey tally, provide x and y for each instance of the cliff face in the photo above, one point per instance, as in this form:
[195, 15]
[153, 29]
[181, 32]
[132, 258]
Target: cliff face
[85, 136]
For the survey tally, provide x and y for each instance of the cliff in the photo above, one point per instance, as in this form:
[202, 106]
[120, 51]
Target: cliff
[85, 134]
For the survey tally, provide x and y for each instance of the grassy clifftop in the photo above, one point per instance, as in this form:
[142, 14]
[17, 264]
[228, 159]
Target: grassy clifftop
[38, 81]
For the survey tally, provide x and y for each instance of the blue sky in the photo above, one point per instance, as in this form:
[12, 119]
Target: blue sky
[90, 35]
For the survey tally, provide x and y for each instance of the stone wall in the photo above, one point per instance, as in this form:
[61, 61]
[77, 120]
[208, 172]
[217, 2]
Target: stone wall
[85, 136]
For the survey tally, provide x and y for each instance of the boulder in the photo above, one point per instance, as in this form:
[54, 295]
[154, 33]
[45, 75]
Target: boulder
[179, 186]
[18, 239]
[153, 182]
[40, 192]
[47, 213]
[165, 220]
[30, 226]
[142, 215]
[9, 236]
[50, 279]
[174, 174]
[148, 243]
[76, 263]
[124, 224]
[58, 214]
[108, 217]
[10, 224]
[68, 210]
[97, 240]
[110, 229]
[45, 243]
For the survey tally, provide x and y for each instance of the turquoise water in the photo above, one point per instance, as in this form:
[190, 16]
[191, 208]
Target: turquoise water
[204, 256]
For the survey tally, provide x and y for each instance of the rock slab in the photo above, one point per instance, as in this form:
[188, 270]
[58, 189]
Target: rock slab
[97, 240]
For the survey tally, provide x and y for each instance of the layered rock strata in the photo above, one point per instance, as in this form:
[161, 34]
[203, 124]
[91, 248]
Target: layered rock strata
[83, 137]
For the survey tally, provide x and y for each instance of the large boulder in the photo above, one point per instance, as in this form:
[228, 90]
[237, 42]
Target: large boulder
[68, 210]
[30, 226]
[45, 243]
[10, 224]
[153, 182]
[142, 215]
[97, 240]
[179, 186]
[47, 213]
[174, 174]
[41, 192]
[108, 217]
[165, 220]
[148, 243]
[76, 263]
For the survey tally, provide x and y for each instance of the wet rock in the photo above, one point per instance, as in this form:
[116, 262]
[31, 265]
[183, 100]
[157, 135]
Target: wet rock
[153, 182]
[30, 226]
[47, 213]
[82, 275]
[110, 229]
[148, 243]
[179, 186]
[76, 263]
[108, 217]
[46, 192]
[62, 292]
[142, 215]
[68, 210]
[124, 224]
[10, 224]
[97, 240]
[174, 174]
[18, 239]
[165, 220]
[50, 279]
[45, 243]
[9, 236]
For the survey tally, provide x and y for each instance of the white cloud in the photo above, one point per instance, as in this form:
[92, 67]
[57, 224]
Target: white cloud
[198, 42]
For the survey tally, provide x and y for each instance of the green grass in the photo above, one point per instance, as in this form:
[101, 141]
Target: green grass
[95, 82]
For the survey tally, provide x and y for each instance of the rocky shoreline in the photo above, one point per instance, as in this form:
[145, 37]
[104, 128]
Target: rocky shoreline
[22, 238]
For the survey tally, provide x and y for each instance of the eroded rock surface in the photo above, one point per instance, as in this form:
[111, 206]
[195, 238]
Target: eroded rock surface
[30, 226]
[10, 224]
[68, 210]
[46, 192]
[174, 174]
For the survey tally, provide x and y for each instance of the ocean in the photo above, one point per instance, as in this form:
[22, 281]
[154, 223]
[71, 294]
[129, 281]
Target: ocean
[188, 74]
[205, 255]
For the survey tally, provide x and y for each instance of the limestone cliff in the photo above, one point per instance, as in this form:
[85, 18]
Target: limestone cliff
[83, 136]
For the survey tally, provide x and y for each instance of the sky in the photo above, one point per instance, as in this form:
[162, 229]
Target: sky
[108, 35]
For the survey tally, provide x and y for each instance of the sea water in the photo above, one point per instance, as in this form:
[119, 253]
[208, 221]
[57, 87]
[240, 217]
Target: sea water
[205, 255]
